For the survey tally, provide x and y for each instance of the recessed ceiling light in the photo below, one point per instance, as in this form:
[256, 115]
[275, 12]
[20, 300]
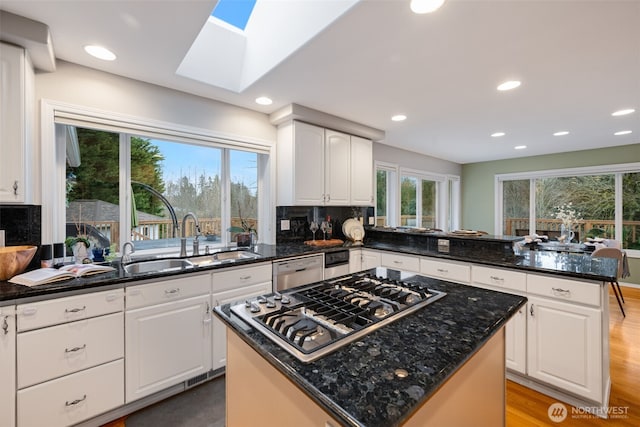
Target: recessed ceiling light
[519, 147]
[425, 6]
[497, 134]
[100, 52]
[623, 112]
[561, 133]
[263, 100]
[399, 118]
[622, 132]
[508, 85]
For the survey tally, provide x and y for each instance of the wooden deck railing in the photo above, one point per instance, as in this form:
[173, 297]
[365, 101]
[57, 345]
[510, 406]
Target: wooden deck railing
[163, 229]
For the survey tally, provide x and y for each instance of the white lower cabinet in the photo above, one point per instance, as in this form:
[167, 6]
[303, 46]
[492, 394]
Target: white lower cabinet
[565, 346]
[516, 342]
[70, 363]
[73, 398]
[516, 328]
[355, 260]
[448, 270]
[168, 338]
[7, 366]
[230, 286]
[370, 259]
[219, 339]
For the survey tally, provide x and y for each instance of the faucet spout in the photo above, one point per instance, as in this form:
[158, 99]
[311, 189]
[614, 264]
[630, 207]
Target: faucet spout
[183, 239]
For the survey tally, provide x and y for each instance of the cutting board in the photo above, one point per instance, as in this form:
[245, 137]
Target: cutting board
[324, 243]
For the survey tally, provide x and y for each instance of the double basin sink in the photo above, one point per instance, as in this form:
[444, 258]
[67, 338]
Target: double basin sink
[165, 265]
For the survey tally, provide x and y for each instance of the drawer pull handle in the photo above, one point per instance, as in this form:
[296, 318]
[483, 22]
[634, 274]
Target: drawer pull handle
[246, 277]
[531, 310]
[172, 291]
[75, 402]
[111, 297]
[75, 349]
[497, 279]
[397, 262]
[29, 311]
[207, 317]
[442, 270]
[5, 325]
[75, 310]
[561, 292]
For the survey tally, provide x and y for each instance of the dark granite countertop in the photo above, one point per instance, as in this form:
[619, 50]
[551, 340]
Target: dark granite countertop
[564, 264]
[356, 384]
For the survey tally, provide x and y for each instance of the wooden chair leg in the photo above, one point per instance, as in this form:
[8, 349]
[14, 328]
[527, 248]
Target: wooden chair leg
[615, 291]
[619, 290]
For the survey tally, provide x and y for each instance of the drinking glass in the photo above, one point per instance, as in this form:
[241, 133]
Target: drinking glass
[324, 226]
[313, 227]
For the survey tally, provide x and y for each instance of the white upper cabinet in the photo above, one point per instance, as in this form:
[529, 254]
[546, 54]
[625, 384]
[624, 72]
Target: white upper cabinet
[361, 171]
[16, 121]
[337, 148]
[317, 166]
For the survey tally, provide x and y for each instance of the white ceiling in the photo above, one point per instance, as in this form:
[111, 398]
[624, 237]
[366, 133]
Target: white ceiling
[579, 60]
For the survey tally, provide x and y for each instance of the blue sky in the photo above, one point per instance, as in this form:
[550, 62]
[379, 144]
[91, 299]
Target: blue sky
[234, 12]
[193, 161]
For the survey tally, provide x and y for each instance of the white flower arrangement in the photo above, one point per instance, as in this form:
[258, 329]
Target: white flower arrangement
[568, 215]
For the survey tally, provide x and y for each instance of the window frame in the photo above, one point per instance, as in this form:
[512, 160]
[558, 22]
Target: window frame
[614, 169]
[447, 194]
[53, 157]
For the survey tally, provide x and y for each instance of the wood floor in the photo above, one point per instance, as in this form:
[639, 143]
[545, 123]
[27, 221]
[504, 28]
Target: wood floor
[527, 408]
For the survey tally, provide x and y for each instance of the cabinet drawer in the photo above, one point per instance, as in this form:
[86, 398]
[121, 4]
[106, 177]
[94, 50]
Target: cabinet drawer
[168, 290]
[564, 290]
[72, 399]
[446, 270]
[51, 352]
[68, 309]
[505, 279]
[400, 262]
[241, 276]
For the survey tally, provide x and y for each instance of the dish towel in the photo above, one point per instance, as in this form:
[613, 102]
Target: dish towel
[625, 266]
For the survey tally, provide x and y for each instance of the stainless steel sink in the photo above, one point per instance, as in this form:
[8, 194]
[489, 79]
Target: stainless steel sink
[157, 266]
[223, 258]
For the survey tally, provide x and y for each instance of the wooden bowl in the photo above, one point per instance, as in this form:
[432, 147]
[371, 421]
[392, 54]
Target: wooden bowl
[14, 260]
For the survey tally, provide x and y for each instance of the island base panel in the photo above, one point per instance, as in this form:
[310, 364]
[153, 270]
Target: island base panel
[474, 395]
[258, 394]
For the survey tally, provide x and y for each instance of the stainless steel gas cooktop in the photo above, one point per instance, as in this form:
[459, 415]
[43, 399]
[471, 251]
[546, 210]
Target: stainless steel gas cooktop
[312, 321]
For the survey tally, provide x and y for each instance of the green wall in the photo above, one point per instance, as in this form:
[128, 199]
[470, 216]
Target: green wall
[478, 191]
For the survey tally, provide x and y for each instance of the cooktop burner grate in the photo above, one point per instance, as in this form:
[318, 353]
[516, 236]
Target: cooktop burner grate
[314, 320]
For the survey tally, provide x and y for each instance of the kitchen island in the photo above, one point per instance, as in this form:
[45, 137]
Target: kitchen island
[388, 377]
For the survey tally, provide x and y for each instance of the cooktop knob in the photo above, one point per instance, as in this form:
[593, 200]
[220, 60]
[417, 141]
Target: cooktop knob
[254, 308]
[277, 296]
[262, 299]
[285, 299]
[271, 304]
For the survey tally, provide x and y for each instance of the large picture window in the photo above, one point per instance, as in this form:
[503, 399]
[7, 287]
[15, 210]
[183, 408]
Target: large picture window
[168, 179]
[602, 202]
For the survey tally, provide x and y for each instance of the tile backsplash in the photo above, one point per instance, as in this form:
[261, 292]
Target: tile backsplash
[22, 225]
[300, 217]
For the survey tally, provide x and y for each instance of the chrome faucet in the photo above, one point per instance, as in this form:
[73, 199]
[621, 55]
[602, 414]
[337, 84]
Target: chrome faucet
[183, 239]
[126, 257]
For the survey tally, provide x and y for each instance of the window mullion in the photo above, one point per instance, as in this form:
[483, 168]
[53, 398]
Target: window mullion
[225, 213]
[125, 188]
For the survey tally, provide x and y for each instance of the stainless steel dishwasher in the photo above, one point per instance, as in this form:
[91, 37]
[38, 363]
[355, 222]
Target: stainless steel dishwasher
[292, 272]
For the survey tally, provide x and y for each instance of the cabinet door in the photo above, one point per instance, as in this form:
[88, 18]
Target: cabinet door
[516, 342]
[361, 171]
[569, 357]
[166, 344]
[337, 168]
[219, 339]
[370, 259]
[309, 164]
[355, 260]
[13, 122]
[7, 366]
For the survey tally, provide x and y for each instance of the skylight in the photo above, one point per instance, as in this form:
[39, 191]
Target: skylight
[234, 12]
